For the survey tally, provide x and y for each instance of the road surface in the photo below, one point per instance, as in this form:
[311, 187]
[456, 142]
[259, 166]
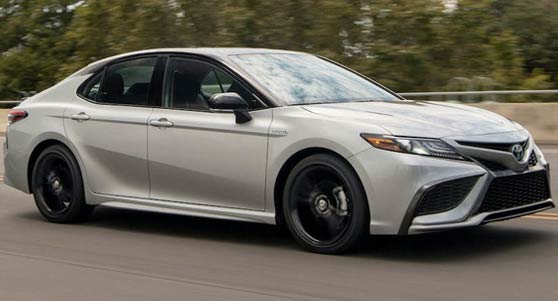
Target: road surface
[123, 255]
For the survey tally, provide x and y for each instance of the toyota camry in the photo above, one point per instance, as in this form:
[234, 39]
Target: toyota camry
[268, 136]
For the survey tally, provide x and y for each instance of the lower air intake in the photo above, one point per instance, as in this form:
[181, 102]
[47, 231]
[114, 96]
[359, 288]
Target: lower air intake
[445, 196]
[515, 191]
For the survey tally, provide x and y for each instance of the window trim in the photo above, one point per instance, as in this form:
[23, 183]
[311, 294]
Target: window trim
[104, 68]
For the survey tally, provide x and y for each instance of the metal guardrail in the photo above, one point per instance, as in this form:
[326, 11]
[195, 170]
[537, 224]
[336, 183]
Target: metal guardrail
[467, 93]
[438, 95]
[484, 96]
[8, 104]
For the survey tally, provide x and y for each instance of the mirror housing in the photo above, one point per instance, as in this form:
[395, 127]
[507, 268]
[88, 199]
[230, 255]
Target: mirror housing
[231, 102]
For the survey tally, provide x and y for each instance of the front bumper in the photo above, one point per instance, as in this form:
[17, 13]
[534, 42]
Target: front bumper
[395, 184]
[482, 218]
[474, 209]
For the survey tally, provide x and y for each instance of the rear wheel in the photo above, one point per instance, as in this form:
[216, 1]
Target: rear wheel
[58, 186]
[325, 206]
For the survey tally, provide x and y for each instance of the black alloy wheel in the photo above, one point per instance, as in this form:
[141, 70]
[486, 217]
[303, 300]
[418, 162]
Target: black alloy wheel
[325, 206]
[58, 187]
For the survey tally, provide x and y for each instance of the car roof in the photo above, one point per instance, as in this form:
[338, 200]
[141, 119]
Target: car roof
[215, 52]
[218, 53]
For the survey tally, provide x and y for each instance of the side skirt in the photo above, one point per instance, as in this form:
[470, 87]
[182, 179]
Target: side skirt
[188, 209]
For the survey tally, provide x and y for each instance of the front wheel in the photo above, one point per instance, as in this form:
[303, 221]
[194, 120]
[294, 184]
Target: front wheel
[325, 206]
[58, 186]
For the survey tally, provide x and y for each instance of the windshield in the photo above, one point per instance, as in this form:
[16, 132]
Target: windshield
[299, 78]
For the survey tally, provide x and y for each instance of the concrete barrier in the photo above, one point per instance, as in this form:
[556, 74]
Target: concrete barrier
[541, 119]
[3, 120]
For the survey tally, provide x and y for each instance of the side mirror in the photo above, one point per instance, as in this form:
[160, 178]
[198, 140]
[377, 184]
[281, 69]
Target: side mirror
[231, 101]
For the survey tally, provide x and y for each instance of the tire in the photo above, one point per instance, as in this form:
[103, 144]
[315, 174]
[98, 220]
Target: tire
[58, 186]
[325, 206]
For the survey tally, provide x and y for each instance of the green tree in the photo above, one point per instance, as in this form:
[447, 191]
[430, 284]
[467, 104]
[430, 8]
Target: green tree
[535, 23]
[406, 45]
[29, 31]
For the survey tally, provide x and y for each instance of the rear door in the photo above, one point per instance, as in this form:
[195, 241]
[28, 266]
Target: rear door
[108, 125]
[200, 156]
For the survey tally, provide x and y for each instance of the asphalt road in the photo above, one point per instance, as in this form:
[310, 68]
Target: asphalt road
[124, 255]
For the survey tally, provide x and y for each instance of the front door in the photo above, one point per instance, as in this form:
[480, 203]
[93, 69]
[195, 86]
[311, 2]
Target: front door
[203, 157]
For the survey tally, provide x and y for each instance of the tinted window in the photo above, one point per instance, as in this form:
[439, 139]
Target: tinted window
[128, 82]
[210, 85]
[303, 78]
[225, 80]
[92, 87]
[190, 84]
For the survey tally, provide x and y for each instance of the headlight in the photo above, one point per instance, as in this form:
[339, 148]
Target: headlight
[417, 146]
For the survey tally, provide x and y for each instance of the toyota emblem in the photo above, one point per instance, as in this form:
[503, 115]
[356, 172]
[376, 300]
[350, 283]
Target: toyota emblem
[517, 151]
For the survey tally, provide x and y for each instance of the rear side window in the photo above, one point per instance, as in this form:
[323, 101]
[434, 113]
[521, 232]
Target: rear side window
[127, 82]
[92, 87]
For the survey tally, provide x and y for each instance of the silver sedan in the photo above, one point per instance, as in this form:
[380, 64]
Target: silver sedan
[268, 136]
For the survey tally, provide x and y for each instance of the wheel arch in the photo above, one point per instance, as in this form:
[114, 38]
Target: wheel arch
[38, 149]
[288, 166]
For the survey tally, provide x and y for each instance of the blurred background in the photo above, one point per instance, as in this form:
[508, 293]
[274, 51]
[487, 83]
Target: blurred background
[419, 45]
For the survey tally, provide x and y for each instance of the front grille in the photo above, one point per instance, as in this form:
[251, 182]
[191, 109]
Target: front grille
[503, 147]
[491, 165]
[515, 191]
[494, 166]
[533, 159]
[445, 196]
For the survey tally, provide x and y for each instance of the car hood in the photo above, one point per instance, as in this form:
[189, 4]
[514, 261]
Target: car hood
[419, 119]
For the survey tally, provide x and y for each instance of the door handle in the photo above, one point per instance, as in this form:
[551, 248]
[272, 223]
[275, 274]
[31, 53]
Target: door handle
[161, 123]
[80, 116]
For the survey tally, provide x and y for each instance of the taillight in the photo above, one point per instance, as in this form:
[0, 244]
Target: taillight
[16, 115]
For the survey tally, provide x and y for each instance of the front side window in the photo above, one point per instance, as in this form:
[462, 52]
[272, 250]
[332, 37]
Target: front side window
[297, 78]
[128, 82]
[190, 83]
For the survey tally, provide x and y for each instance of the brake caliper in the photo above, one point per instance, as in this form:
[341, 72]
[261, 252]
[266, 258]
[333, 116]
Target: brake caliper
[342, 201]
